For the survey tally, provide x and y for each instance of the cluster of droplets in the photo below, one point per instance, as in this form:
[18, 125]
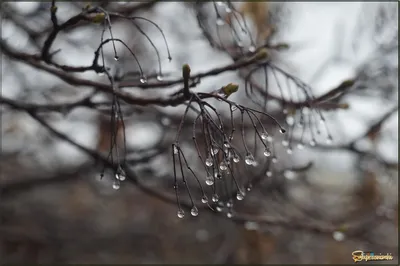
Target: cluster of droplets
[119, 177]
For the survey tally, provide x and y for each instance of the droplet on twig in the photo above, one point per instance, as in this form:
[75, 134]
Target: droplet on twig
[209, 162]
[181, 213]
[194, 211]
[209, 180]
[249, 159]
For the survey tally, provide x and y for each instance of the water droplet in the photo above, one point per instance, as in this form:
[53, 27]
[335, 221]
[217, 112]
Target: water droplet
[282, 130]
[219, 3]
[249, 187]
[227, 145]
[143, 79]
[229, 204]
[121, 176]
[218, 208]
[312, 142]
[194, 211]
[270, 139]
[217, 175]
[289, 175]
[204, 199]
[338, 236]
[285, 143]
[229, 214]
[209, 162]
[300, 146]
[290, 120]
[160, 77]
[220, 22]
[215, 198]
[236, 158]
[274, 159]
[116, 58]
[264, 135]
[169, 58]
[181, 213]
[223, 166]
[214, 151]
[228, 10]
[267, 153]
[249, 159]
[329, 140]
[100, 74]
[239, 196]
[289, 151]
[209, 180]
[233, 108]
[285, 111]
[268, 173]
[116, 185]
[252, 49]
[165, 121]
[176, 151]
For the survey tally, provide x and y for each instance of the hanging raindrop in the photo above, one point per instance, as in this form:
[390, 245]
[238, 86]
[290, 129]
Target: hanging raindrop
[223, 166]
[264, 135]
[300, 146]
[217, 175]
[116, 58]
[285, 143]
[289, 151]
[214, 151]
[227, 145]
[228, 10]
[209, 162]
[239, 196]
[160, 77]
[268, 173]
[274, 159]
[236, 158]
[209, 180]
[249, 187]
[116, 185]
[329, 140]
[229, 204]
[233, 108]
[176, 151]
[215, 198]
[229, 214]
[204, 199]
[282, 130]
[181, 213]
[143, 79]
[270, 139]
[249, 159]
[267, 153]
[194, 211]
